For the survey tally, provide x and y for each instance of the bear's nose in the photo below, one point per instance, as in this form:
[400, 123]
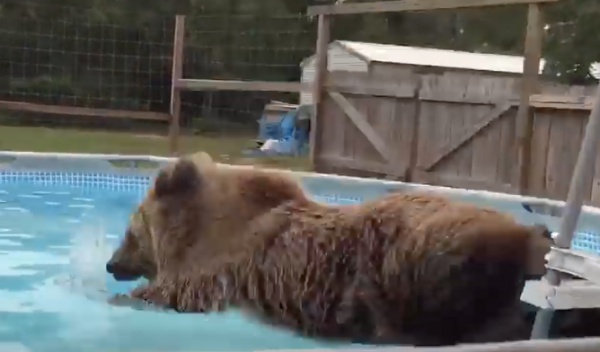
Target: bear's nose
[109, 268]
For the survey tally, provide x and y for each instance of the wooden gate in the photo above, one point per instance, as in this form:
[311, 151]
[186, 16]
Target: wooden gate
[467, 126]
[439, 129]
[367, 124]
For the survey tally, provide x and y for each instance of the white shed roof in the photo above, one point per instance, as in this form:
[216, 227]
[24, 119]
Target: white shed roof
[408, 55]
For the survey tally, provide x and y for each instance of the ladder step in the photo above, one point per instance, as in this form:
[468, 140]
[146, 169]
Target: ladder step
[574, 262]
[571, 294]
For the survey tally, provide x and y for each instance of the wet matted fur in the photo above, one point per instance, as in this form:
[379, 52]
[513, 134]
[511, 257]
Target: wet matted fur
[406, 268]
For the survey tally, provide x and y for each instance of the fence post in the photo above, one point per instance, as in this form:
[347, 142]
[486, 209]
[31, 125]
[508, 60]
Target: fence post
[176, 75]
[321, 59]
[529, 86]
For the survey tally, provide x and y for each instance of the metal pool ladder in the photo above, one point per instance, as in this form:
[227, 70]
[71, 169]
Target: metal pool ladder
[552, 292]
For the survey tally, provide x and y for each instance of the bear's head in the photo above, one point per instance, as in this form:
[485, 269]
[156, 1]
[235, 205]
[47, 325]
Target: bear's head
[540, 244]
[195, 203]
[156, 216]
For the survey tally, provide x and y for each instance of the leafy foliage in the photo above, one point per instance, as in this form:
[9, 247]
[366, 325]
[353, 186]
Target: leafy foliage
[105, 53]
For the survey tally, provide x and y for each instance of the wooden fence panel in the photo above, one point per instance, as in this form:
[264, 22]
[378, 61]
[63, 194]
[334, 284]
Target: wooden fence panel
[557, 135]
[368, 123]
[452, 129]
[461, 127]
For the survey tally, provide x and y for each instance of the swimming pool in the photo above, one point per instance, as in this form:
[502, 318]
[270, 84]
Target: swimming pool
[48, 223]
[54, 208]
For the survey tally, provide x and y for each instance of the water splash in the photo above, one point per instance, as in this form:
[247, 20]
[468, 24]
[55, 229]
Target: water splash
[88, 256]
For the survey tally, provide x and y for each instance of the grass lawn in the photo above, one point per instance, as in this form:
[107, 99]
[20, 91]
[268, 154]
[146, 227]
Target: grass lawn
[222, 148]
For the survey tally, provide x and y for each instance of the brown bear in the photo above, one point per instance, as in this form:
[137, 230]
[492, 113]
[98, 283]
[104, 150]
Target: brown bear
[405, 269]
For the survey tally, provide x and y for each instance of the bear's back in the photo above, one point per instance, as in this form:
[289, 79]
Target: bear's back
[415, 264]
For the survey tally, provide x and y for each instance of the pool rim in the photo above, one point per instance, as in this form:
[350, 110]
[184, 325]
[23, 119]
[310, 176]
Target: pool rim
[74, 159]
[389, 185]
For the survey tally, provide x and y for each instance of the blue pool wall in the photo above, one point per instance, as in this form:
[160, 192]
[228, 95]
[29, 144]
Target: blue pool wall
[121, 173]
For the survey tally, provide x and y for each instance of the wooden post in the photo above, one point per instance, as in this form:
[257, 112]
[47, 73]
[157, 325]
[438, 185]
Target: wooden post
[176, 75]
[581, 181]
[318, 83]
[529, 86]
[416, 130]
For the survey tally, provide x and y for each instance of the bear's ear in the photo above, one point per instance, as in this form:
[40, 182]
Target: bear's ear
[542, 230]
[540, 243]
[182, 178]
[201, 159]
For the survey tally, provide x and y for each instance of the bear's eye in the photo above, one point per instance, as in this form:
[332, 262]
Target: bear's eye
[130, 240]
[137, 223]
[144, 221]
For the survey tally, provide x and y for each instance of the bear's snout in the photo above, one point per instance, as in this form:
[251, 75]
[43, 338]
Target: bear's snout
[121, 273]
[110, 268]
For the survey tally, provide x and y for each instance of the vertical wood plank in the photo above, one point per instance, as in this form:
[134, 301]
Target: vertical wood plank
[595, 197]
[414, 123]
[176, 75]
[565, 142]
[529, 86]
[320, 77]
[539, 157]
[506, 170]
[485, 153]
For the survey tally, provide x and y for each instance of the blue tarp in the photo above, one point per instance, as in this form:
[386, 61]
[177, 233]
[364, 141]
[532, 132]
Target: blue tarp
[290, 138]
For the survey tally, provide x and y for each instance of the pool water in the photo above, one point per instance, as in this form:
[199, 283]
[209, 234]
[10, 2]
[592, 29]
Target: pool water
[54, 242]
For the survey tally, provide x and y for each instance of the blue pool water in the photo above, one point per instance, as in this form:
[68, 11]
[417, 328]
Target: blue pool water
[54, 241]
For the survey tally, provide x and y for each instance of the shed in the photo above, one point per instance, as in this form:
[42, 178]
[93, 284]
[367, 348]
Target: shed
[423, 115]
[363, 57]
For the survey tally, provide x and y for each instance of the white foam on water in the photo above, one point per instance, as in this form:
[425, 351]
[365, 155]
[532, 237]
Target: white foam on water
[10, 243]
[32, 196]
[86, 206]
[13, 347]
[19, 209]
[15, 235]
[89, 253]
[88, 256]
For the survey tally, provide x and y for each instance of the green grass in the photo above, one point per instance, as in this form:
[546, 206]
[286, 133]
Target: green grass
[222, 148]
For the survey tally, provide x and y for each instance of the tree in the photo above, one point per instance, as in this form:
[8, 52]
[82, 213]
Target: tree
[116, 53]
[573, 43]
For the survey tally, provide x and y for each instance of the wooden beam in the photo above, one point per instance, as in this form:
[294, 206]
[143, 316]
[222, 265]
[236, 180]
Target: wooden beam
[321, 73]
[364, 83]
[548, 101]
[363, 126]
[529, 86]
[176, 74]
[257, 86]
[84, 112]
[433, 178]
[361, 86]
[433, 96]
[467, 134]
[410, 5]
[368, 166]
